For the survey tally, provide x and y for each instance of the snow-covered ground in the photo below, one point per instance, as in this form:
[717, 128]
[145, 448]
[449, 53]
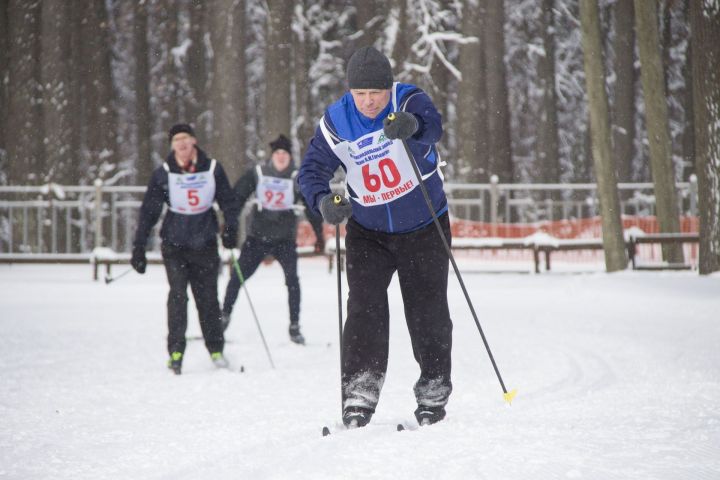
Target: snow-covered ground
[618, 377]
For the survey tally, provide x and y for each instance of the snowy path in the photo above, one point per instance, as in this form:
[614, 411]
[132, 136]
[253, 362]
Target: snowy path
[618, 377]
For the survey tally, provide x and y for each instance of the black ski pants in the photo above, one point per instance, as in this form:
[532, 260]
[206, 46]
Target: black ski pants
[200, 269]
[252, 252]
[422, 265]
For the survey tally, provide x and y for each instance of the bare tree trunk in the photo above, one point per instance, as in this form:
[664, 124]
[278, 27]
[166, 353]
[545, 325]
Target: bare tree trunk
[663, 173]
[169, 85]
[143, 117]
[548, 149]
[99, 93]
[499, 149]
[705, 26]
[471, 109]
[399, 45]
[56, 81]
[370, 20]
[277, 70]
[26, 163]
[227, 95]
[625, 77]
[197, 66]
[4, 50]
[304, 122]
[688, 135]
[612, 232]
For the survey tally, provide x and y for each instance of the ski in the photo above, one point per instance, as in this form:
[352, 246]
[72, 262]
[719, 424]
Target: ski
[400, 427]
[196, 338]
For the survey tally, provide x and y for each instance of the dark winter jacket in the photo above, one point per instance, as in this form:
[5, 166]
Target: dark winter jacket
[273, 225]
[341, 127]
[187, 231]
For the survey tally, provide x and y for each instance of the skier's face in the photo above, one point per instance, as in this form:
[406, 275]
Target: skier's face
[280, 159]
[370, 102]
[183, 145]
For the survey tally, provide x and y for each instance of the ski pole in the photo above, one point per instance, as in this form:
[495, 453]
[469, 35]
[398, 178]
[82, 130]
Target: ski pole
[110, 279]
[507, 395]
[242, 282]
[337, 199]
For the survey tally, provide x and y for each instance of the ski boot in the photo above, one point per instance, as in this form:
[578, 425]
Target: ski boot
[175, 362]
[295, 335]
[429, 415]
[356, 417]
[219, 360]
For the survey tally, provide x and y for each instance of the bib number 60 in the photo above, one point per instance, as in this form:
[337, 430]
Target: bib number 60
[389, 175]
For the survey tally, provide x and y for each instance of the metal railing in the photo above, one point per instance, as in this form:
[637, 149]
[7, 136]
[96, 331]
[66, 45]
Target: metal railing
[76, 219]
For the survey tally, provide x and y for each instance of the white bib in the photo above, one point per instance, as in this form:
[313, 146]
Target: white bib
[377, 169]
[191, 193]
[274, 193]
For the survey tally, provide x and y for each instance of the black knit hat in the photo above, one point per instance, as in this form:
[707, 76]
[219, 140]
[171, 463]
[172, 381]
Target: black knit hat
[180, 128]
[368, 68]
[281, 142]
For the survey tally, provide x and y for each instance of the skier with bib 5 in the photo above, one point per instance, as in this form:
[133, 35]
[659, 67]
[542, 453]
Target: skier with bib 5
[189, 181]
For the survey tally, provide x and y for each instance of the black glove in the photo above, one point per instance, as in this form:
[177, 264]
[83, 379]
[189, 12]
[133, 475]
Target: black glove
[229, 237]
[320, 245]
[403, 125]
[138, 260]
[335, 208]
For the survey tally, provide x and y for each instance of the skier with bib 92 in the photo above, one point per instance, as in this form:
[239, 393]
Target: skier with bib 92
[273, 228]
[389, 229]
[189, 182]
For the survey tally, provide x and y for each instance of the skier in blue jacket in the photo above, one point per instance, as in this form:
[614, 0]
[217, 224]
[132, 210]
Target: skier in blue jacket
[389, 229]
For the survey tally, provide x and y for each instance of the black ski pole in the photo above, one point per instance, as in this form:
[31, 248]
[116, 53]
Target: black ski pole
[337, 199]
[507, 395]
[242, 282]
[110, 279]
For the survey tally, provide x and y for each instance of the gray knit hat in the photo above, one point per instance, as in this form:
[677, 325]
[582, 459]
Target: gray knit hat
[368, 68]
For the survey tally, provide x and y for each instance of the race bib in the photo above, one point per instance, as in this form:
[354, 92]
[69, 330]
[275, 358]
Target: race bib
[275, 193]
[191, 193]
[378, 169]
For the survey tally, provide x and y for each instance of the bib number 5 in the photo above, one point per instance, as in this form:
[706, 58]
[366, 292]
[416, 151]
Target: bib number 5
[193, 199]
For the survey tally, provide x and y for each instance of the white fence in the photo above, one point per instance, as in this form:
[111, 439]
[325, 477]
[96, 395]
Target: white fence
[55, 219]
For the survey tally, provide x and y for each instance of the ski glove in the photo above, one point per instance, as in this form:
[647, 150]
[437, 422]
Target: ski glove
[332, 212]
[229, 237]
[403, 126]
[138, 260]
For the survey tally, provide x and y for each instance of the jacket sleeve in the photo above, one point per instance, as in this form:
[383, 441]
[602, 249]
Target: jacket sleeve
[316, 221]
[245, 187]
[151, 208]
[225, 197]
[316, 171]
[429, 119]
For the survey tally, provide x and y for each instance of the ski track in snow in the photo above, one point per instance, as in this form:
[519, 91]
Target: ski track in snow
[618, 378]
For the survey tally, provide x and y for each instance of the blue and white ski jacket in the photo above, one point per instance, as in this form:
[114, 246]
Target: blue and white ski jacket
[345, 132]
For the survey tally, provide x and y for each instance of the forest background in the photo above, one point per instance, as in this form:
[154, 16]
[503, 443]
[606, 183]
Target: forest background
[90, 87]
